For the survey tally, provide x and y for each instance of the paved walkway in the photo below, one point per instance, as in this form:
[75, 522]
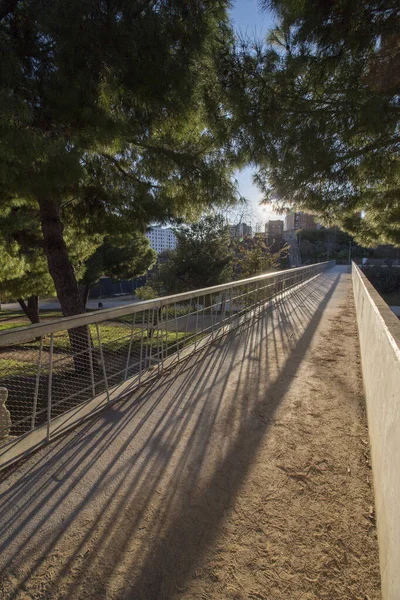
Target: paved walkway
[241, 474]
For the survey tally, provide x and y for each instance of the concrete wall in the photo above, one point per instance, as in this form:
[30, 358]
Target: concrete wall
[379, 331]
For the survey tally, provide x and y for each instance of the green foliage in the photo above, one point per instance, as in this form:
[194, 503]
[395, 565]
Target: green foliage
[321, 113]
[253, 256]
[6, 315]
[114, 339]
[324, 236]
[11, 263]
[164, 274]
[111, 116]
[34, 281]
[147, 292]
[5, 326]
[385, 279]
[202, 257]
[328, 244]
[23, 266]
[206, 256]
[120, 257]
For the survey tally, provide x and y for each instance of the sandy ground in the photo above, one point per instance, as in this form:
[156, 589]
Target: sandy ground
[242, 474]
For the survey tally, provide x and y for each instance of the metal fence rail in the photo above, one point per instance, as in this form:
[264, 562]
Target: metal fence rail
[87, 361]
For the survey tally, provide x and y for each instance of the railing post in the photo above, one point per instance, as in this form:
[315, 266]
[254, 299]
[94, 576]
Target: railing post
[103, 365]
[187, 322]
[197, 322]
[258, 299]
[37, 383]
[150, 349]
[212, 316]
[49, 386]
[176, 331]
[159, 345]
[223, 307]
[231, 299]
[91, 361]
[141, 347]
[130, 347]
[163, 330]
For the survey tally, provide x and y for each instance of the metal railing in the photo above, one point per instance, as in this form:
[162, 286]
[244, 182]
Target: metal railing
[85, 362]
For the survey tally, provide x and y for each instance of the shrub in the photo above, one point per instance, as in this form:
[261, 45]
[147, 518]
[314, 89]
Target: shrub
[385, 279]
[147, 292]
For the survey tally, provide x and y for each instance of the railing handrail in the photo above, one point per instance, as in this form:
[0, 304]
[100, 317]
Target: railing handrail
[24, 334]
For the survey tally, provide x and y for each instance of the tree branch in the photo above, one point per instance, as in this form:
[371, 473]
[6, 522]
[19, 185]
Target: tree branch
[116, 163]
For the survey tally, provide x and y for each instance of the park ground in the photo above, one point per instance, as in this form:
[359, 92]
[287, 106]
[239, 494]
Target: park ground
[243, 473]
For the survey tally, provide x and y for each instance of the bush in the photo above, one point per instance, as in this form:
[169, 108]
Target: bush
[385, 279]
[147, 292]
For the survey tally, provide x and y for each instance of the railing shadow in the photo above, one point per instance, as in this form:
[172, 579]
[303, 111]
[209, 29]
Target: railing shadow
[146, 486]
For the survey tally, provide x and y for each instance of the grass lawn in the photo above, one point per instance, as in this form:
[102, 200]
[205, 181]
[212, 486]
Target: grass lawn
[115, 338]
[10, 367]
[18, 360]
[19, 364]
[7, 315]
[5, 325]
[10, 320]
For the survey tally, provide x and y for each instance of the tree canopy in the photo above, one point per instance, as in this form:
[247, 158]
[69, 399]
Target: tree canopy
[120, 257]
[24, 273]
[206, 255]
[253, 256]
[112, 113]
[202, 258]
[320, 117]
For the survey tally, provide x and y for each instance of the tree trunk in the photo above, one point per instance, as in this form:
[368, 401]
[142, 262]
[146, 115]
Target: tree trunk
[60, 266]
[31, 309]
[155, 322]
[85, 291]
[63, 275]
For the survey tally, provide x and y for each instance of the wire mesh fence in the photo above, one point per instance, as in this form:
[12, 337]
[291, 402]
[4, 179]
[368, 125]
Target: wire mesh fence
[50, 368]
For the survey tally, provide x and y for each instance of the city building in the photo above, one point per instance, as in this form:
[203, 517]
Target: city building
[161, 238]
[240, 230]
[299, 220]
[274, 228]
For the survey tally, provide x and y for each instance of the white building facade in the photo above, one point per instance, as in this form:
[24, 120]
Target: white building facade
[240, 230]
[161, 239]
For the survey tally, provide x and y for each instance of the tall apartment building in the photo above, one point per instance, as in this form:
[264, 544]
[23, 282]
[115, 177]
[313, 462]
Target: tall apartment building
[274, 228]
[240, 230]
[299, 220]
[161, 238]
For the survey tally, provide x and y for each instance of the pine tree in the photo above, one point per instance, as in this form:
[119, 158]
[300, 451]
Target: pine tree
[111, 110]
[24, 273]
[119, 257]
[321, 113]
[253, 256]
[24, 270]
[202, 258]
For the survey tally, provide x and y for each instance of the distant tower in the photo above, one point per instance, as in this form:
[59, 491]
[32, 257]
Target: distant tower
[274, 228]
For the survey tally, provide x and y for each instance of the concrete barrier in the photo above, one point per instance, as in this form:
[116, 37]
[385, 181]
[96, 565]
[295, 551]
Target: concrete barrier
[379, 331]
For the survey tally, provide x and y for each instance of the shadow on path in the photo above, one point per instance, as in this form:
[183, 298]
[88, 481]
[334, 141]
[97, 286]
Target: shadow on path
[128, 504]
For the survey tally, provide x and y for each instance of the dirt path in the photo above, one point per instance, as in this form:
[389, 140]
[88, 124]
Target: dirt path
[243, 474]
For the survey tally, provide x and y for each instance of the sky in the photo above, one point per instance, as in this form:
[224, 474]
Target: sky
[248, 19]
